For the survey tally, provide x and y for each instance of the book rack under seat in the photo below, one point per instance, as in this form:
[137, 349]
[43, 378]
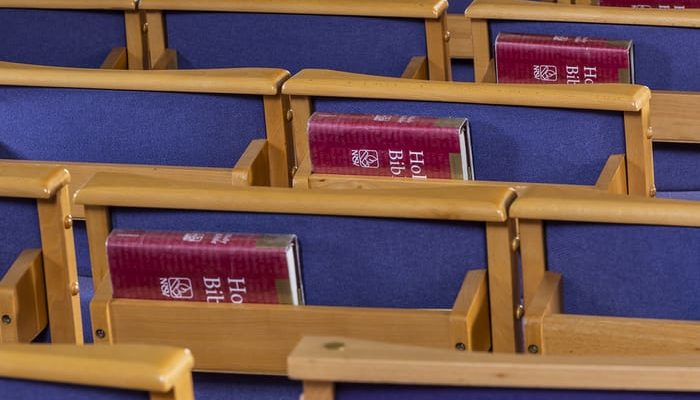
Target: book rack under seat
[40, 285]
[666, 56]
[389, 37]
[357, 290]
[520, 133]
[640, 301]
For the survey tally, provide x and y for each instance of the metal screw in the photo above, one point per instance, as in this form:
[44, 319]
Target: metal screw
[68, 221]
[515, 244]
[460, 346]
[652, 191]
[6, 319]
[448, 35]
[650, 132]
[520, 311]
[100, 333]
[74, 289]
[144, 27]
[533, 349]
[290, 115]
[335, 346]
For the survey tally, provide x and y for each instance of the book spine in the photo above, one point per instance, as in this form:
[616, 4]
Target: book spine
[208, 267]
[562, 60]
[663, 4]
[392, 146]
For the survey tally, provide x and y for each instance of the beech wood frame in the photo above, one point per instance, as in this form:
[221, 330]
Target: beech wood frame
[436, 61]
[42, 284]
[547, 329]
[322, 361]
[263, 82]
[266, 333]
[673, 115]
[162, 371]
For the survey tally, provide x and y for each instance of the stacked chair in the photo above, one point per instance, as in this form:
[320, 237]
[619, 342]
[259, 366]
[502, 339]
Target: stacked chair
[554, 273]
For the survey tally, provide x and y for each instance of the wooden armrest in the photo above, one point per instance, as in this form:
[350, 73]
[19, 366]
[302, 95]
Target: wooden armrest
[71, 4]
[253, 168]
[38, 182]
[582, 205]
[370, 8]
[675, 117]
[521, 10]
[256, 81]
[23, 299]
[328, 359]
[613, 177]
[135, 367]
[475, 202]
[615, 97]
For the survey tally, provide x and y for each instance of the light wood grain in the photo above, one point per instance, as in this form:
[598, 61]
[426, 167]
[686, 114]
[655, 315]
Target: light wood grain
[470, 324]
[460, 36]
[23, 298]
[136, 45]
[675, 117]
[546, 301]
[70, 4]
[613, 177]
[280, 145]
[570, 204]
[260, 81]
[156, 40]
[438, 49]
[363, 361]
[417, 68]
[100, 313]
[116, 59]
[327, 83]
[252, 169]
[504, 287]
[318, 391]
[368, 8]
[98, 224]
[454, 203]
[532, 256]
[638, 154]
[35, 181]
[168, 60]
[136, 367]
[301, 109]
[481, 51]
[258, 337]
[521, 10]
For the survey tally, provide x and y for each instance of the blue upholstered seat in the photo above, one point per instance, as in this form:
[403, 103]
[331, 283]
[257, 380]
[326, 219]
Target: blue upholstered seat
[60, 37]
[20, 230]
[676, 167]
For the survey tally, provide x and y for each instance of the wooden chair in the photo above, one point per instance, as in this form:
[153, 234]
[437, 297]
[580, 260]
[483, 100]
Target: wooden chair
[90, 372]
[381, 37]
[626, 267]
[520, 133]
[71, 33]
[347, 368]
[38, 284]
[352, 230]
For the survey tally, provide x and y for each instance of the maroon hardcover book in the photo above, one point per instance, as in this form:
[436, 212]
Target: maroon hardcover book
[562, 59]
[204, 266]
[663, 4]
[390, 145]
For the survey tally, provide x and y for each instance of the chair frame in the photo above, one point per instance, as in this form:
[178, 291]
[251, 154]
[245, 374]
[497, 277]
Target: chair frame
[547, 329]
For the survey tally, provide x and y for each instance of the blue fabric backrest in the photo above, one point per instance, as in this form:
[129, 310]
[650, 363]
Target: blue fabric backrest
[458, 6]
[20, 230]
[378, 46]
[665, 58]
[626, 270]
[60, 37]
[521, 144]
[352, 261]
[676, 167]
[17, 389]
[407, 392]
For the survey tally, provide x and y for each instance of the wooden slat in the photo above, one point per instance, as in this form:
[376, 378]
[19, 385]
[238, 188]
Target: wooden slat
[438, 49]
[470, 324]
[137, 367]
[116, 59]
[39, 182]
[570, 204]
[368, 8]
[521, 10]
[23, 299]
[136, 45]
[417, 68]
[252, 169]
[460, 36]
[504, 287]
[593, 335]
[532, 256]
[615, 97]
[675, 117]
[546, 301]
[258, 337]
[638, 153]
[261, 81]
[280, 145]
[375, 362]
[71, 4]
[458, 203]
[613, 177]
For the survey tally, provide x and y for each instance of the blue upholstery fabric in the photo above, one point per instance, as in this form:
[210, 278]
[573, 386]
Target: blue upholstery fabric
[694, 196]
[462, 70]
[127, 126]
[87, 291]
[393, 392]
[665, 58]
[60, 37]
[458, 6]
[676, 166]
[378, 46]
[521, 144]
[351, 261]
[16, 389]
[627, 270]
[209, 386]
[20, 230]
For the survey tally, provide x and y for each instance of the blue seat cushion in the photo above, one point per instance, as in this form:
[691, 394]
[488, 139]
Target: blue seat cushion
[378, 46]
[20, 230]
[626, 270]
[664, 57]
[458, 6]
[676, 167]
[694, 195]
[17, 389]
[518, 144]
[65, 38]
[462, 70]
